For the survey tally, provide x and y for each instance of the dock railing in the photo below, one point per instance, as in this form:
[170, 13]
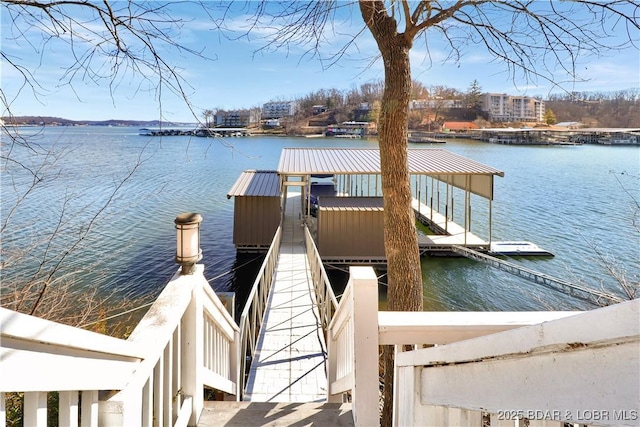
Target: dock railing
[325, 297]
[253, 312]
[185, 342]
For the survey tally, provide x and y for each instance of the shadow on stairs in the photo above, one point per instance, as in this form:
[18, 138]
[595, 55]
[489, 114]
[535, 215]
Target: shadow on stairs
[253, 414]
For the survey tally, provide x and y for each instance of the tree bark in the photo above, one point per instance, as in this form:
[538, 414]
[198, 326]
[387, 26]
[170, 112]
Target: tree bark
[400, 236]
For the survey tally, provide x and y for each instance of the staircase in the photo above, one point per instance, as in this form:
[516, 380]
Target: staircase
[255, 414]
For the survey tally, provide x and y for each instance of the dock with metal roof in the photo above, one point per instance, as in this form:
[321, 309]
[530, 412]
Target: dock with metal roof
[437, 177]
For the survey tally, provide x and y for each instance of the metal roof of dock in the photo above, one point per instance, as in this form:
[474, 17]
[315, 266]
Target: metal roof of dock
[265, 183]
[427, 161]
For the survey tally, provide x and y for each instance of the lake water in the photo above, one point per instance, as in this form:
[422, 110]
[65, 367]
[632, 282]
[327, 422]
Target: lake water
[575, 201]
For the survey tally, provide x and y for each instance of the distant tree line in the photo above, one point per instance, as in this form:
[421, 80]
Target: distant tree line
[342, 105]
[606, 109]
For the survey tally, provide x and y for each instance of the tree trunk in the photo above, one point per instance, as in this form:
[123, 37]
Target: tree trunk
[400, 235]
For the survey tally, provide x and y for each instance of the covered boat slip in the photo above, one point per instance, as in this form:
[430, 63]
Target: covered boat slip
[345, 211]
[437, 177]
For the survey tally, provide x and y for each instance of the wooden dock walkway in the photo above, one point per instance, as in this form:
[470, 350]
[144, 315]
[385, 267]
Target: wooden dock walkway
[289, 364]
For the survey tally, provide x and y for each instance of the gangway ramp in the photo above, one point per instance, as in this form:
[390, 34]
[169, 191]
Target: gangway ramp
[290, 358]
[593, 296]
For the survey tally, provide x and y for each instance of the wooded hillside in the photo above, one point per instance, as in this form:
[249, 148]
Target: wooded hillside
[598, 109]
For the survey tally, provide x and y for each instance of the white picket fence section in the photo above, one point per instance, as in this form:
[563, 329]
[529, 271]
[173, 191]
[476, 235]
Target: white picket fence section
[186, 341]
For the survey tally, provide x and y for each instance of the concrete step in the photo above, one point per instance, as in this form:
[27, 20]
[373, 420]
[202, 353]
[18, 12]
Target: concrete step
[254, 414]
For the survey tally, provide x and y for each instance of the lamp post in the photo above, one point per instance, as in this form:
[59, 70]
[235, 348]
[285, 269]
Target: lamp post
[188, 250]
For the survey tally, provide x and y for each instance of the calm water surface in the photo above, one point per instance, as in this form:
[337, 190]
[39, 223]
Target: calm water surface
[568, 200]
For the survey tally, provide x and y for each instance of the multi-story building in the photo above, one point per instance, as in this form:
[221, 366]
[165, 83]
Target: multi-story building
[507, 108]
[497, 105]
[237, 118]
[276, 110]
[527, 109]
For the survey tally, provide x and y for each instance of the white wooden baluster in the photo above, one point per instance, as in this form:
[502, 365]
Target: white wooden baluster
[158, 382]
[89, 409]
[35, 409]
[68, 408]
[167, 378]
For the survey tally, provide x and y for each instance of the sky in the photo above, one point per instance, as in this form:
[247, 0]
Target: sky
[233, 70]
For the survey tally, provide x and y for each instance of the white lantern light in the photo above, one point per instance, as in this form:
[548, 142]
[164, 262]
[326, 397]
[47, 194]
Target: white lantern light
[188, 241]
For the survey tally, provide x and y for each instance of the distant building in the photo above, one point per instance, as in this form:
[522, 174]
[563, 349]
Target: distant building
[497, 105]
[272, 123]
[318, 109]
[458, 126]
[507, 108]
[276, 110]
[362, 113]
[236, 118]
[527, 109]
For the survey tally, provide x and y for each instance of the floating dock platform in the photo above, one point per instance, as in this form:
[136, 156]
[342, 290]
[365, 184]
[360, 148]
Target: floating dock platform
[517, 249]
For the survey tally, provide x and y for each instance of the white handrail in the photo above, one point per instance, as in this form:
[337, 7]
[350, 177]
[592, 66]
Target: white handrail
[581, 369]
[353, 347]
[179, 328]
[186, 341]
[253, 312]
[325, 297]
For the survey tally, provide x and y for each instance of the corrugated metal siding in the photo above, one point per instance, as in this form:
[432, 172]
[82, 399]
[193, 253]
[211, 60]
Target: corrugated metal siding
[255, 220]
[353, 203]
[351, 227]
[256, 183]
[428, 161]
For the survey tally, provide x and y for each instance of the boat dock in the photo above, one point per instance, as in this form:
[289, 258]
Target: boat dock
[201, 132]
[424, 138]
[348, 214]
[168, 131]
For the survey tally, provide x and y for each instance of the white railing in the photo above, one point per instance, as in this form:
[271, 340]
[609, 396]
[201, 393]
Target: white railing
[253, 312]
[187, 341]
[487, 368]
[325, 298]
[580, 369]
[352, 341]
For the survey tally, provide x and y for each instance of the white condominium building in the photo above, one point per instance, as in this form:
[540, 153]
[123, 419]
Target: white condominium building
[275, 110]
[507, 108]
